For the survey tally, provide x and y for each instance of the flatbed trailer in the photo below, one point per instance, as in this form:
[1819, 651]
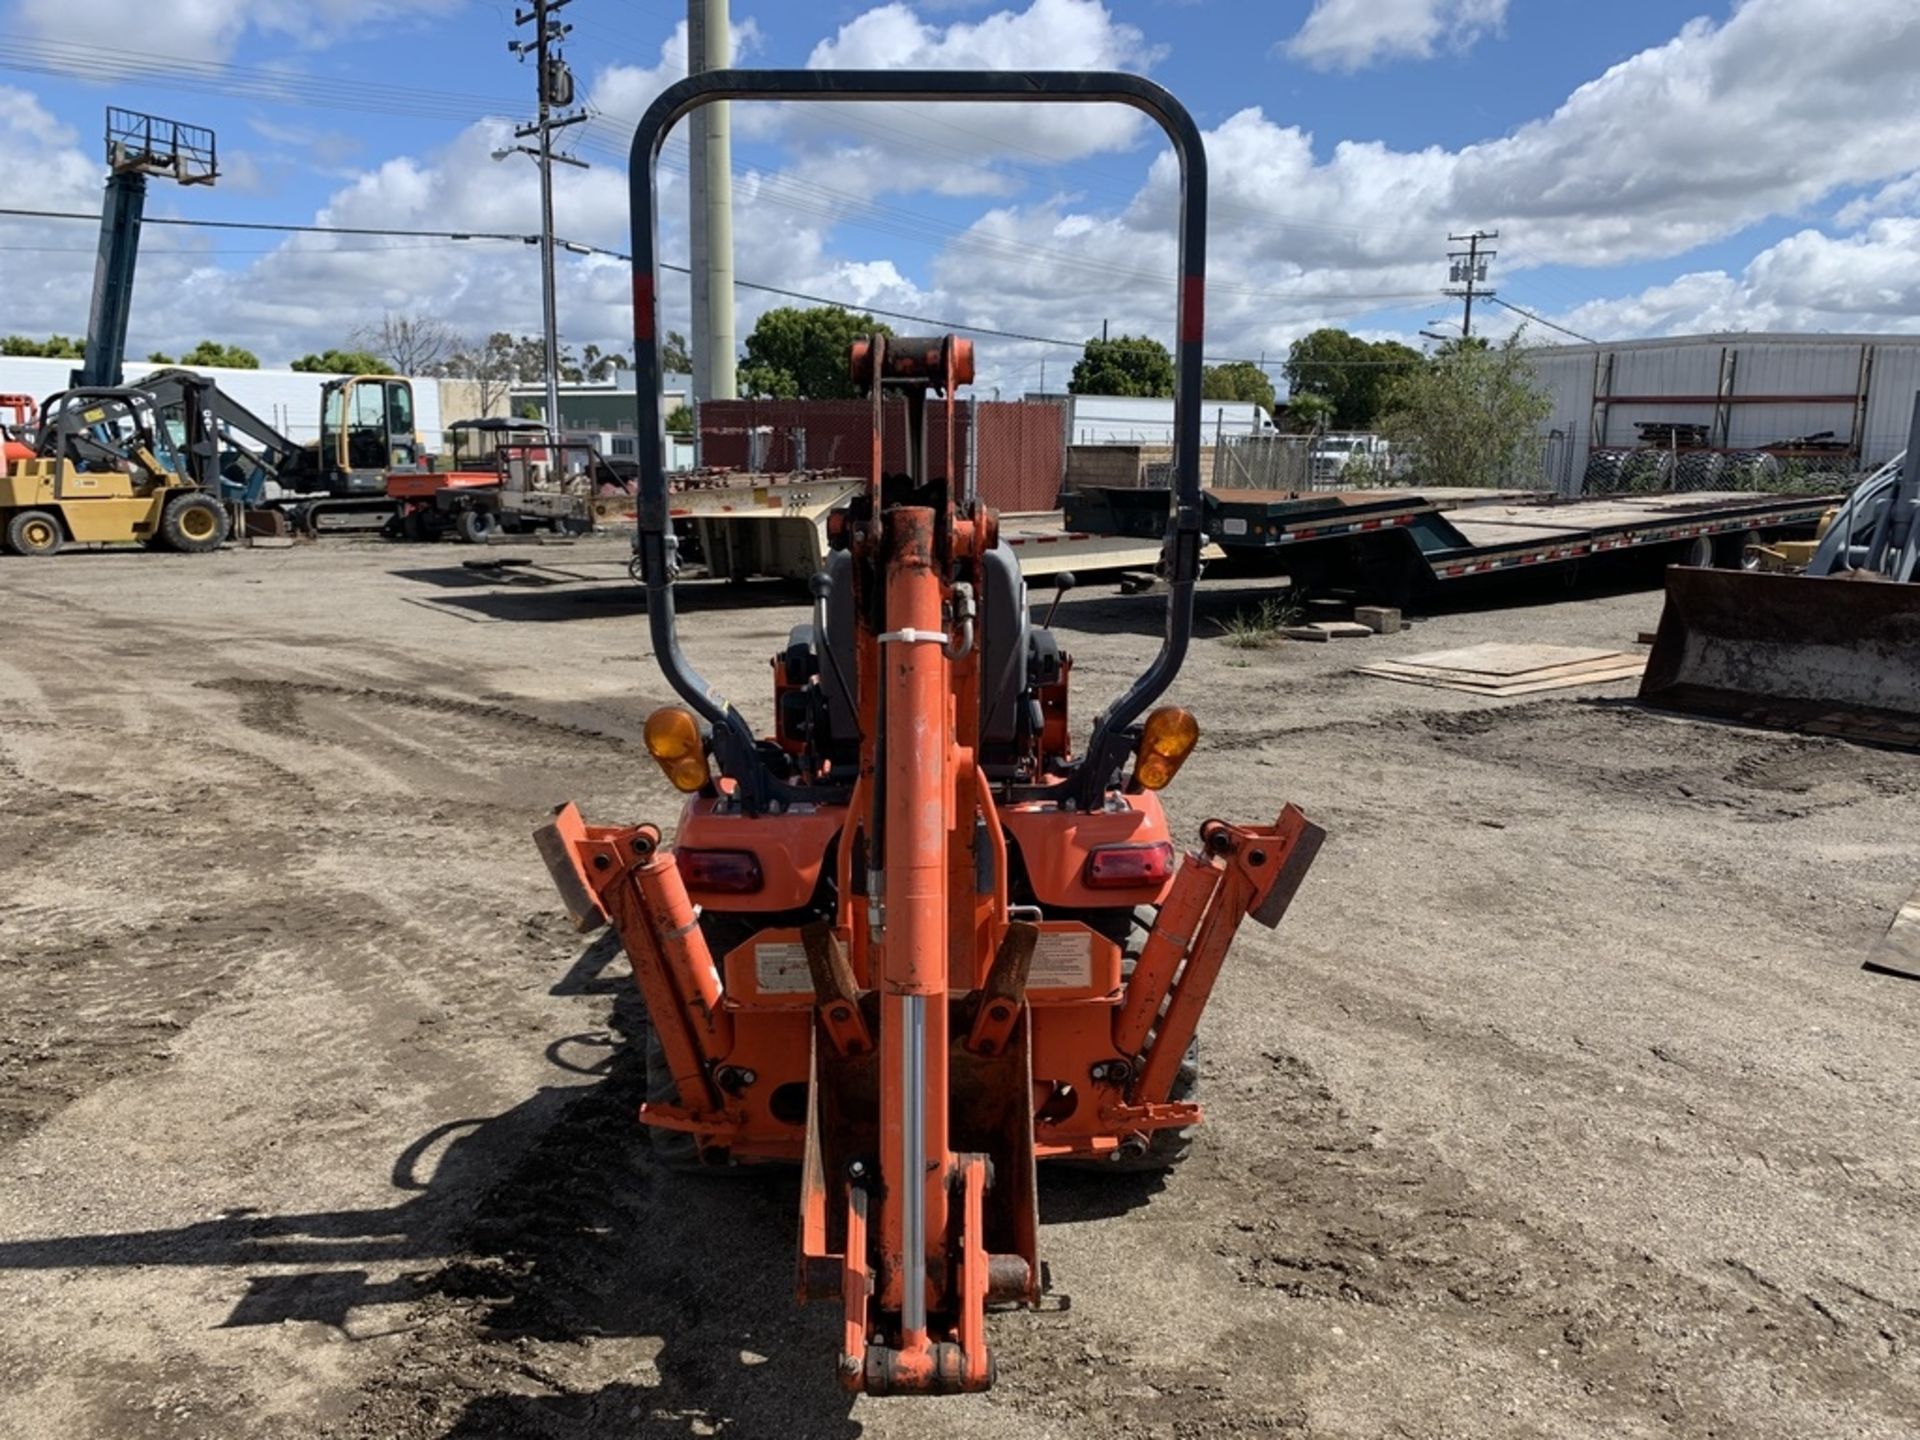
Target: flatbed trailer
[1398, 545]
[779, 527]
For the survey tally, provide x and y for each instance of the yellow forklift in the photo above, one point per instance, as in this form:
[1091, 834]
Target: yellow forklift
[104, 472]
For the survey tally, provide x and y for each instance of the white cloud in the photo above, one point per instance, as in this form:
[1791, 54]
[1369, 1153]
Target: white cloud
[1654, 157]
[956, 139]
[208, 29]
[1900, 197]
[1353, 34]
[1809, 281]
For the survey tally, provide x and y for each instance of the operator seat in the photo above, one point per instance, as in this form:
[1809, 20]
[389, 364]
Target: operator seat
[1016, 658]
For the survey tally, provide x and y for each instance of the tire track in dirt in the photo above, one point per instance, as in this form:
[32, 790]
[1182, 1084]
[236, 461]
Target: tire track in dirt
[1349, 1222]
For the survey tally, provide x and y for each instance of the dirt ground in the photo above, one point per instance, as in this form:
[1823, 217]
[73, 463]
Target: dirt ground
[1558, 1106]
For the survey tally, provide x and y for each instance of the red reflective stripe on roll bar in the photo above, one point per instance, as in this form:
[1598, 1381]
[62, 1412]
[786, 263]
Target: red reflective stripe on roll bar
[1193, 309]
[643, 303]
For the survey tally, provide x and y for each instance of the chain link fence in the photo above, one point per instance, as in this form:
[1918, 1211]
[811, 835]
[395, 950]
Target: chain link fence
[1263, 462]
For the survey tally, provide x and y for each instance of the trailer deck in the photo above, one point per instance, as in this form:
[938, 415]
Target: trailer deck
[1403, 539]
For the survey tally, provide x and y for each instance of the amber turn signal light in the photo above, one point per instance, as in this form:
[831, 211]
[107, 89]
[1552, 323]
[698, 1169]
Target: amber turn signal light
[1166, 740]
[673, 739]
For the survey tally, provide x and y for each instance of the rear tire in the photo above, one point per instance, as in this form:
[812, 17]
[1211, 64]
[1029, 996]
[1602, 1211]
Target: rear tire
[1730, 551]
[1699, 553]
[35, 532]
[1167, 1148]
[476, 527]
[194, 524]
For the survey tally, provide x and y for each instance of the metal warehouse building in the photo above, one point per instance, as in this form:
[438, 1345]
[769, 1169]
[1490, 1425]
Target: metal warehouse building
[1840, 402]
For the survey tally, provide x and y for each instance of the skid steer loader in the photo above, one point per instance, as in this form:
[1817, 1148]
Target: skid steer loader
[1830, 648]
[913, 941]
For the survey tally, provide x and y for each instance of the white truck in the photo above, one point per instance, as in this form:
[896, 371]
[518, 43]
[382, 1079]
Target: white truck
[1343, 457]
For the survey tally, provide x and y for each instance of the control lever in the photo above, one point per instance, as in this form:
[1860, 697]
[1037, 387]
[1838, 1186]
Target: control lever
[1062, 583]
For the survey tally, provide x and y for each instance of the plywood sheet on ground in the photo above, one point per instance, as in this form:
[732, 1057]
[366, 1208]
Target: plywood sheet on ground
[1509, 669]
[1898, 951]
[1505, 660]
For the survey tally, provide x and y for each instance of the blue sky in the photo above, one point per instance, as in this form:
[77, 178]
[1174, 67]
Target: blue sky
[1652, 168]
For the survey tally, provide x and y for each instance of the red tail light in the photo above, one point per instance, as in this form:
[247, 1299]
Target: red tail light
[1124, 867]
[730, 872]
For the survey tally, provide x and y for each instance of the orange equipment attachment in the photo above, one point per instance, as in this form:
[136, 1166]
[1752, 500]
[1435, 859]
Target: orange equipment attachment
[912, 943]
[18, 415]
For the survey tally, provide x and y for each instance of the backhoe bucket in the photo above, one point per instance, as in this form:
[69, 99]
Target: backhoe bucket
[1826, 656]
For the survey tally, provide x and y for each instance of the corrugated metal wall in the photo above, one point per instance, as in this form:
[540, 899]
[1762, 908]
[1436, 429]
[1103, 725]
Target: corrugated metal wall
[1814, 383]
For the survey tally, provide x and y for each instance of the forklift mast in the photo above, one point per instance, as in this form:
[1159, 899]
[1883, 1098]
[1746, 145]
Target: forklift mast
[137, 146]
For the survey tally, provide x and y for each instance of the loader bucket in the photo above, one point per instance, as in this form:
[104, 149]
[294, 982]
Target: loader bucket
[1826, 656]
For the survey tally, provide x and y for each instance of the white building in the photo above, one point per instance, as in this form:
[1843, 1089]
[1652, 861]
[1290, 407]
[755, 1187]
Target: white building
[288, 400]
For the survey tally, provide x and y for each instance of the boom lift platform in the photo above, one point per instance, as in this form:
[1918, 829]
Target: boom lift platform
[900, 942]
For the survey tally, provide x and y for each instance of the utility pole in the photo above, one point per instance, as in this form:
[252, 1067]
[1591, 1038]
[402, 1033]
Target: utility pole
[1468, 269]
[710, 221]
[556, 93]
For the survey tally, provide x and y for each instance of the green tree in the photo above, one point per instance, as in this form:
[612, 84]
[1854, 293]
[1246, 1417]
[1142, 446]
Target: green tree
[333, 362]
[232, 357]
[1237, 380]
[1354, 374]
[680, 421]
[54, 347]
[160, 357]
[802, 354]
[1124, 365]
[1471, 417]
[675, 357]
[1307, 412]
[598, 364]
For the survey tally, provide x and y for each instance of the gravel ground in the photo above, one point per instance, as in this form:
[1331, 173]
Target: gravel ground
[1558, 1106]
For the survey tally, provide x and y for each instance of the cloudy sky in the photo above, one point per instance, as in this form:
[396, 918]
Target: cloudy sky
[1652, 167]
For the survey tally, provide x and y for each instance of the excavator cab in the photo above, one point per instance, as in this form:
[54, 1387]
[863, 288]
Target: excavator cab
[919, 937]
[366, 433]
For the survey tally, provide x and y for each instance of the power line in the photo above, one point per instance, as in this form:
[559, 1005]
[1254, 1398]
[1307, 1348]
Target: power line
[1542, 320]
[580, 248]
[610, 134]
[277, 226]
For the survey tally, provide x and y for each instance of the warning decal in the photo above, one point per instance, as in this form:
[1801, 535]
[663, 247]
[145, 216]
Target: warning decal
[781, 968]
[1062, 960]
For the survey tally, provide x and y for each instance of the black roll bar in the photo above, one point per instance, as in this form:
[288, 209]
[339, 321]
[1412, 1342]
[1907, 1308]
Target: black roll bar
[734, 744]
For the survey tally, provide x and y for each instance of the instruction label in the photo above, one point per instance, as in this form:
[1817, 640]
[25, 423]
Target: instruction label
[780, 968]
[1062, 960]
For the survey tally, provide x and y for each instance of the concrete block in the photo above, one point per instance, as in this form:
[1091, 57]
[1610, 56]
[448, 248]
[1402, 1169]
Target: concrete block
[1380, 619]
[270, 542]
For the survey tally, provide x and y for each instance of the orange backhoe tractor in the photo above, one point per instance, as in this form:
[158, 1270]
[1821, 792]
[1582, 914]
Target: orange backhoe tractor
[904, 942]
